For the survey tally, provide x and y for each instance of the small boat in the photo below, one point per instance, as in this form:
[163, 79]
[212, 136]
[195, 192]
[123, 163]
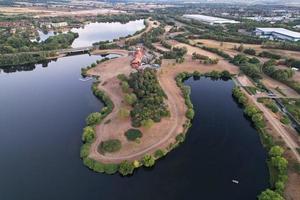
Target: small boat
[85, 79]
[235, 181]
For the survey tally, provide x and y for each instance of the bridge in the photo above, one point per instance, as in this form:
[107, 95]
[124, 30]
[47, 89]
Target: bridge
[75, 50]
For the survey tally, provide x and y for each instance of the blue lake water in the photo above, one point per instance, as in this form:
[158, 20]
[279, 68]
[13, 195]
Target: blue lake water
[42, 113]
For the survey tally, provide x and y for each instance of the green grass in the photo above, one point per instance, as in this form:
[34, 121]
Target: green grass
[250, 90]
[278, 89]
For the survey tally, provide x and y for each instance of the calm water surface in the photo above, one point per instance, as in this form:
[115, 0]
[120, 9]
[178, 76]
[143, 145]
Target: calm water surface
[42, 114]
[95, 32]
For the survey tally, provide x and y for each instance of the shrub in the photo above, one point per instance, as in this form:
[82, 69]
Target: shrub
[148, 160]
[180, 138]
[98, 167]
[250, 51]
[124, 113]
[159, 153]
[148, 123]
[88, 134]
[276, 151]
[133, 134]
[126, 168]
[93, 119]
[84, 150]
[110, 146]
[130, 98]
[190, 113]
[285, 120]
[270, 195]
[88, 162]
[111, 168]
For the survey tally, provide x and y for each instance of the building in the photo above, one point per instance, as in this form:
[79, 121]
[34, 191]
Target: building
[137, 58]
[211, 20]
[277, 34]
[59, 24]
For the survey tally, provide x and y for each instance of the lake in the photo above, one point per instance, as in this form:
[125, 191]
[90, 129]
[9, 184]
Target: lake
[43, 111]
[95, 32]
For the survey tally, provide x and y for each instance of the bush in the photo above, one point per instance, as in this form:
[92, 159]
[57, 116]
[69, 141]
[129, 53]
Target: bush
[148, 160]
[130, 98]
[111, 168]
[133, 134]
[93, 119]
[126, 168]
[190, 113]
[250, 51]
[180, 138]
[159, 153]
[285, 120]
[84, 150]
[88, 134]
[110, 146]
[270, 195]
[98, 167]
[148, 123]
[124, 113]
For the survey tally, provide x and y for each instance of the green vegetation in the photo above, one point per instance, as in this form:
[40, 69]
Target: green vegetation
[204, 59]
[285, 120]
[93, 119]
[278, 89]
[250, 51]
[286, 45]
[276, 162]
[126, 168]
[149, 104]
[148, 160]
[159, 153]
[124, 113]
[267, 54]
[292, 63]
[110, 146]
[293, 107]
[24, 58]
[269, 103]
[175, 53]
[88, 134]
[133, 134]
[251, 90]
[218, 52]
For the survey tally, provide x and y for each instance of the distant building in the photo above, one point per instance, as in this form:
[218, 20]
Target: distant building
[277, 34]
[137, 58]
[211, 20]
[59, 24]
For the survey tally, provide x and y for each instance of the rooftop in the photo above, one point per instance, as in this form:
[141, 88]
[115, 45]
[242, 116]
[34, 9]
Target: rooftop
[282, 31]
[210, 19]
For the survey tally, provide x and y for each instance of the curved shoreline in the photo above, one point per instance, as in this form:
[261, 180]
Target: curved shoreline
[166, 132]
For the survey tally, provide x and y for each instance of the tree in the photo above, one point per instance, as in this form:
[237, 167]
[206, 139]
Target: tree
[250, 51]
[251, 110]
[93, 119]
[88, 134]
[110, 146]
[270, 195]
[126, 168]
[125, 86]
[123, 113]
[276, 151]
[190, 113]
[280, 163]
[148, 160]
[148, 123]
[130, 98]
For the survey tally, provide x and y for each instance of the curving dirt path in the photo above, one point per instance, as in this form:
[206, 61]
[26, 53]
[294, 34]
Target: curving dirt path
[160, 135]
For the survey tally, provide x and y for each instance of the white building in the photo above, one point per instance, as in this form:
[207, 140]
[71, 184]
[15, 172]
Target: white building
[59, 24]
[210, 20]
[277, 34]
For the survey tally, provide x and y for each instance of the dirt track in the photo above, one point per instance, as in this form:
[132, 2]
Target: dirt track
[160, 135]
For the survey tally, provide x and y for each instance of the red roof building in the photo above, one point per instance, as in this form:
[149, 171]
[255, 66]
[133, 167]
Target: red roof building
[137, 58]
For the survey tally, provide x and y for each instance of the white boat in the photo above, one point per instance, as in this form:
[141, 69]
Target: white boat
[235, 181]
[85, 79]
